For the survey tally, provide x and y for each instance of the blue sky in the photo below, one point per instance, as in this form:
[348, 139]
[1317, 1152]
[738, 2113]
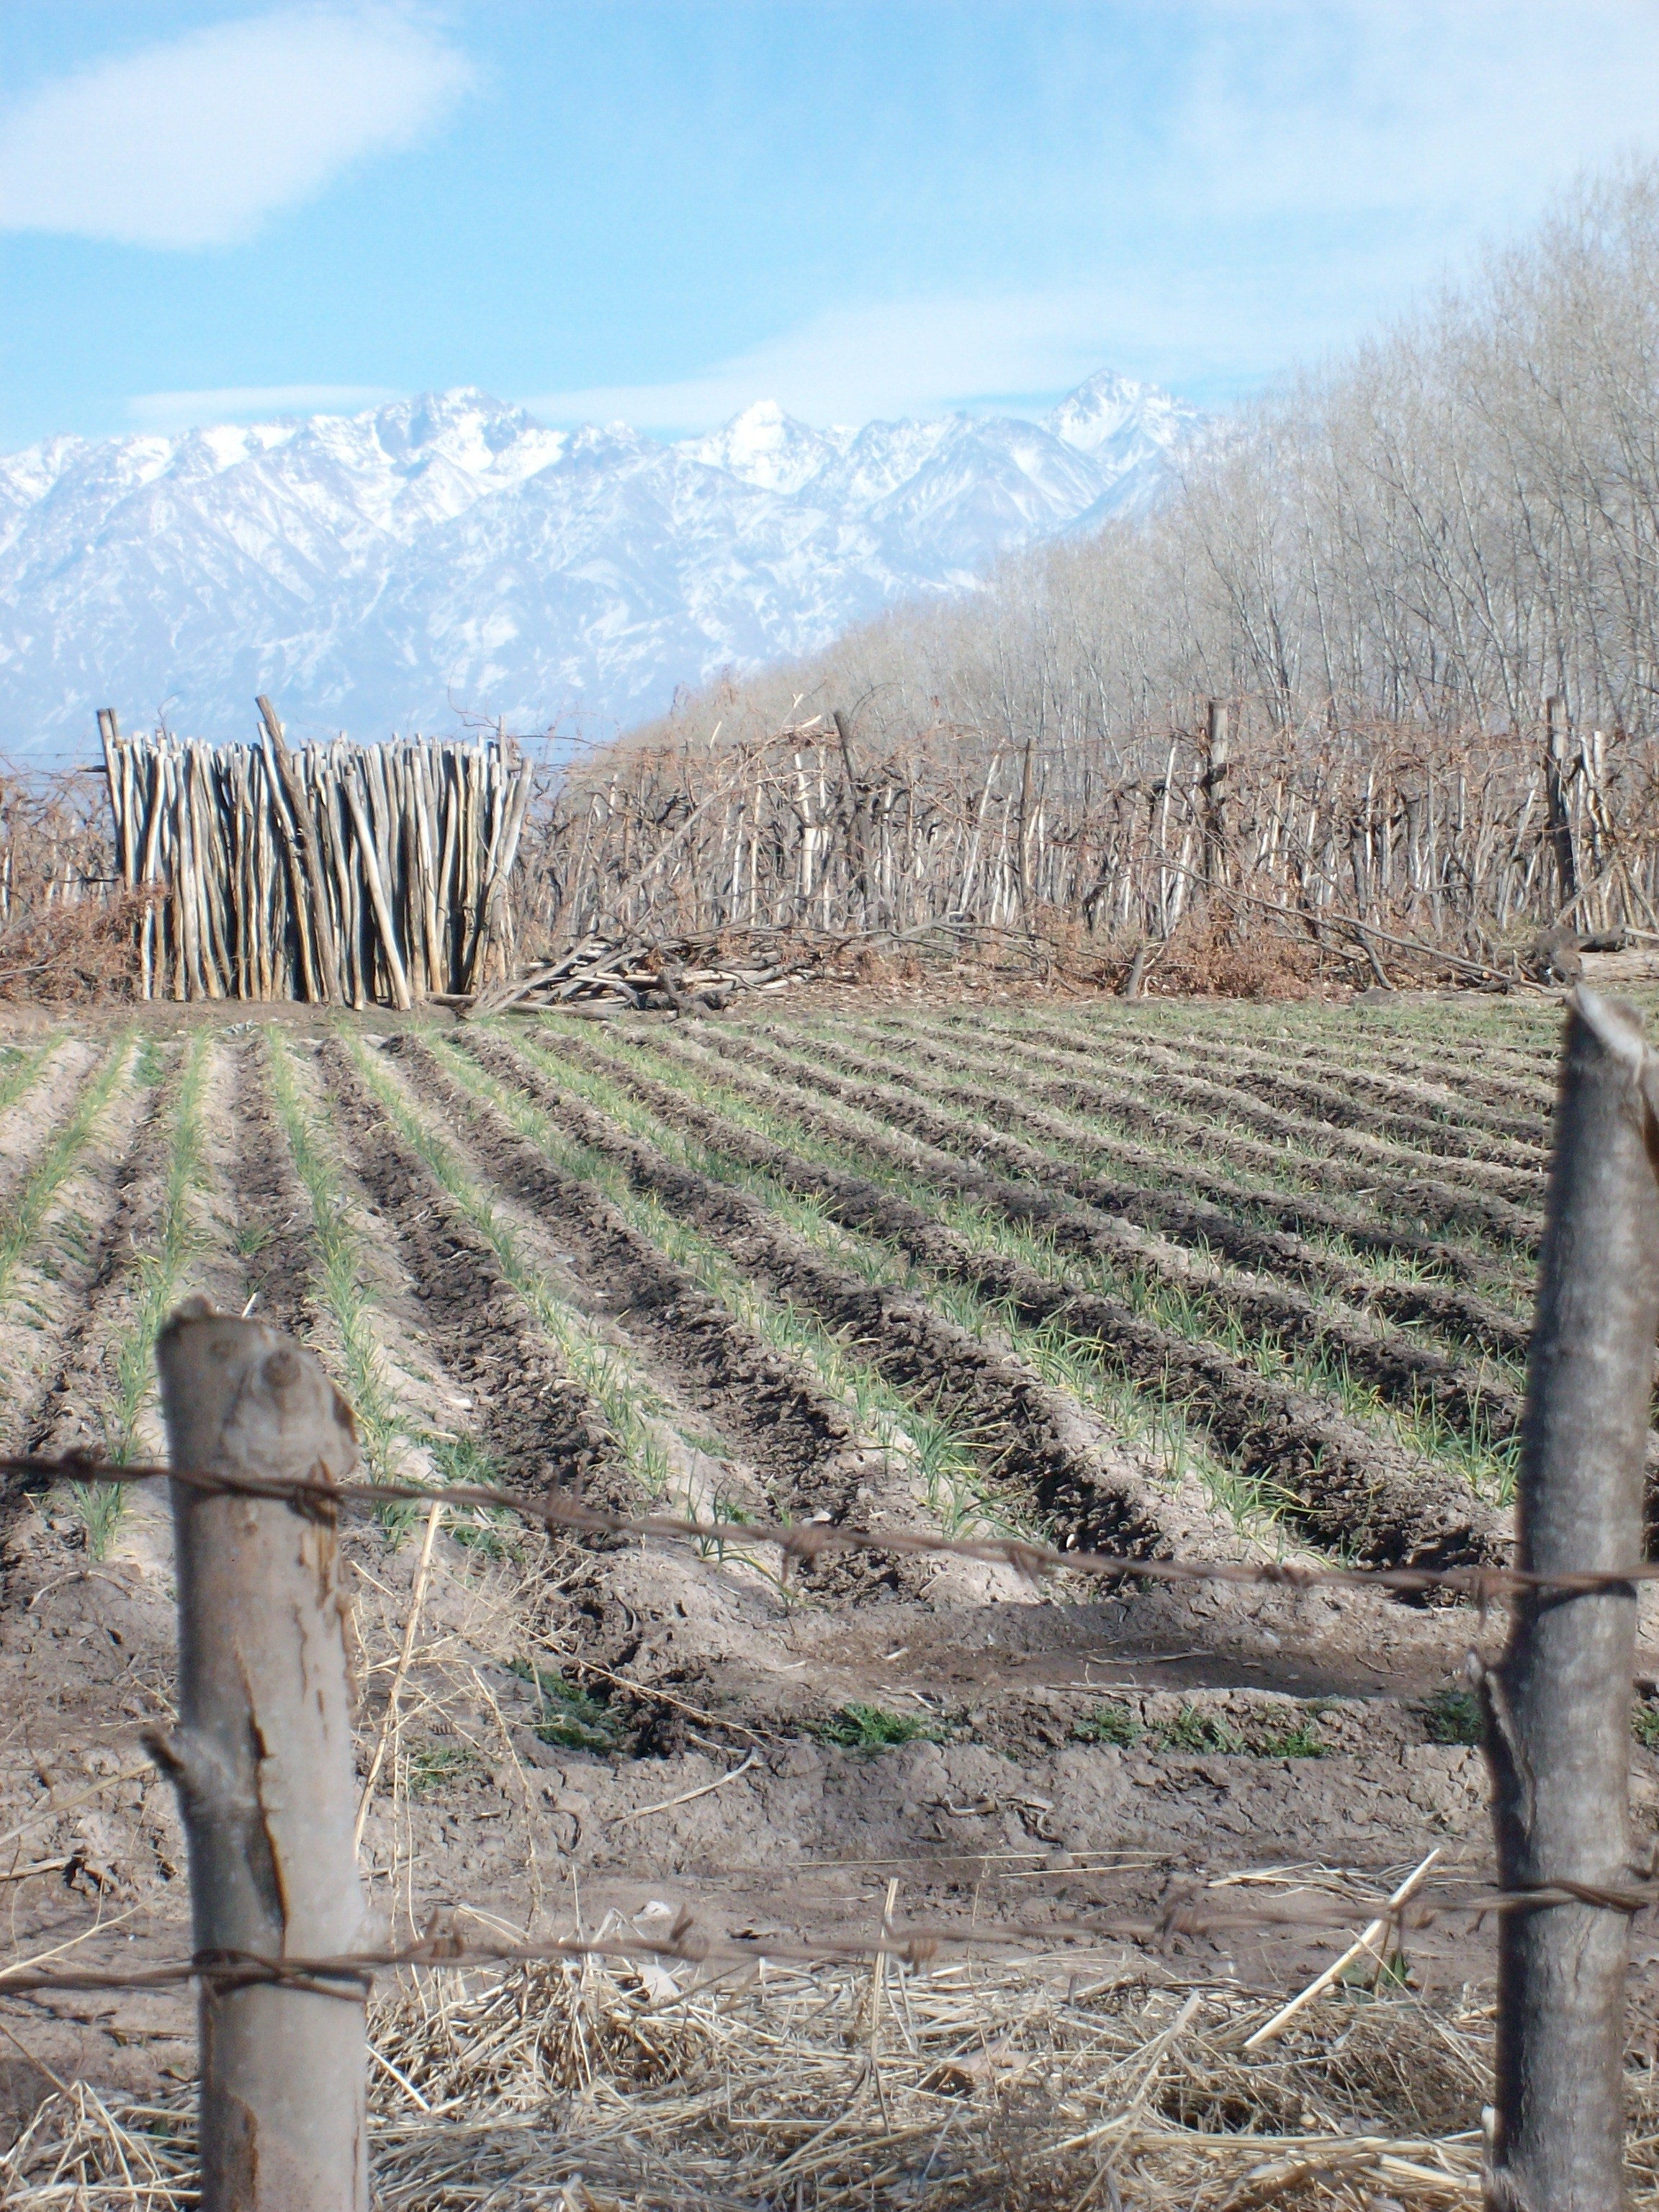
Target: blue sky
[663, 210]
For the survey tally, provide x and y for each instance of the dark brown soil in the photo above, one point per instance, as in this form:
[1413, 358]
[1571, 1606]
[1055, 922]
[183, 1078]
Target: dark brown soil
[1075, 1749]
[1343, 1489]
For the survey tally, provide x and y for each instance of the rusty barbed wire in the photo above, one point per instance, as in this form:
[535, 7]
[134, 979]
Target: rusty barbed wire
[349, 1973]
[562, 1513]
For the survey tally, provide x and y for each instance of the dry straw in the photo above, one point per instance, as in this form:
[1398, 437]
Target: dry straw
[1032, 2085]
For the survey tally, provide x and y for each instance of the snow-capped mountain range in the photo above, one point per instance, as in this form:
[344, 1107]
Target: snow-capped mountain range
[373, 573]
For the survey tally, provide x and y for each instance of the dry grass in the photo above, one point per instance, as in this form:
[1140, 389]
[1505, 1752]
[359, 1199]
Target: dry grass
[84, 952]
[1027, 2086]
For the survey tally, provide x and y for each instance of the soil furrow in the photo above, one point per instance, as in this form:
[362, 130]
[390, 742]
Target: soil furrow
[1041, 1074]
[1254, 1075]
[1159, 1207]
[1344, 1488]
[70, 1415]
[800, 1440]
[1055, 1461]
[278, 1244]
[1166, 1074]
[1403, 1371]
[538, 1425]
[1356, 1096]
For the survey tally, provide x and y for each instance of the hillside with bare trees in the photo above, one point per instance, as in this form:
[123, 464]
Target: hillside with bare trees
[1310, 697]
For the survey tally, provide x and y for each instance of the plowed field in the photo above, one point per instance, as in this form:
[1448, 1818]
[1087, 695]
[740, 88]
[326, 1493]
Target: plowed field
[1236, 1283]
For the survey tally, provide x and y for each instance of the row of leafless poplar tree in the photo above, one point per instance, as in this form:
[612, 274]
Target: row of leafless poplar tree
[1384, 576]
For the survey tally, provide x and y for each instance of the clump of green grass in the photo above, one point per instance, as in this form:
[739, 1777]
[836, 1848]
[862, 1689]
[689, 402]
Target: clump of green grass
[1109, 1724]
[1452, 1717]
[872, 1728]
[1644, 1725]
[434, 1765]
[1302, 1741]
[1192, 1731]
[492, 1531]
[568, 1716]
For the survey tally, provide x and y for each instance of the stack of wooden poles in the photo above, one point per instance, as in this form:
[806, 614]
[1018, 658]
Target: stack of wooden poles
[338, 874]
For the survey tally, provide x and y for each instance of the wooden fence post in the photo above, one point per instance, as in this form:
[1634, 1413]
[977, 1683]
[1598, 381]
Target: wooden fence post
[262, 1760]
[1557, 1710]
[1218, 762]
[1556, 768]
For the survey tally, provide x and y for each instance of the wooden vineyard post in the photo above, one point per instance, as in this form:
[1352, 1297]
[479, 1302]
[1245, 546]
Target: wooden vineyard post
[262, 1760]
[1555, 800]
[1217, 761]
[1557, 1710]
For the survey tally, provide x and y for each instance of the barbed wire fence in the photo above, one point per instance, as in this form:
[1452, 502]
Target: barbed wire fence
[263, 1453]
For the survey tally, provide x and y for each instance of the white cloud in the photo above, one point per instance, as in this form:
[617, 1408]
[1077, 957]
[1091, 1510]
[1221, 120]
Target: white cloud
[192, 143]
[1315, 165]
[1467, 113]
[1186, 325]
[249, 403]
[854, 363]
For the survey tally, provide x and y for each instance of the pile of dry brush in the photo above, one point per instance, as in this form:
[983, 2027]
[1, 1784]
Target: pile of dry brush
[68, 929]
[1228, 857]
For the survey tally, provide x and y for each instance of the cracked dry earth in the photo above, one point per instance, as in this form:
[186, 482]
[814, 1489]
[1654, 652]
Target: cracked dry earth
[1239, 1283]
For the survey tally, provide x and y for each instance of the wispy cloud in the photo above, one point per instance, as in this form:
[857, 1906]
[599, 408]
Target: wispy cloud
[850, 364]
[194, 142]
[1312, 165]
[250, 403]
[1204, 326]
[1465, 115]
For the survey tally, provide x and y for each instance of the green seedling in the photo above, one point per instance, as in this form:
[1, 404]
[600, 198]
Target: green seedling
[1644, 1726]
[872, 1728]
[1191, 1730]
[1452, 1717]
[159, 1271]
[617, 1387]
[568, 1716]
[1303, 1741]
[21, 1223]
[1113, 1723]
[433, 1766]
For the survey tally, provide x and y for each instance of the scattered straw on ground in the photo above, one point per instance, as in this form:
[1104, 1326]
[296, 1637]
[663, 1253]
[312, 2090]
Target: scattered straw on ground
[1023, 2087]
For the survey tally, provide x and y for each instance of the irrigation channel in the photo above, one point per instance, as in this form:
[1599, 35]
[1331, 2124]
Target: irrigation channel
[1231, 1282]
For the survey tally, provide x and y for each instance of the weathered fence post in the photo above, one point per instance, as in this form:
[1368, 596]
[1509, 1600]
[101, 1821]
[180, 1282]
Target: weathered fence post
[262, 1759]
[1218, 762]
[1559, 815]
[1557, 1710]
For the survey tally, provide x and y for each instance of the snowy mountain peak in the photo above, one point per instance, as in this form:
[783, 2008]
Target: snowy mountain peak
[765, 447]
[1114, 414]
[448, 548]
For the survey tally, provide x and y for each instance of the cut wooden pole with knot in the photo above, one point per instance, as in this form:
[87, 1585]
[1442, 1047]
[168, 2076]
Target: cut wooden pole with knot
[1557, 1710]
[262, 1760]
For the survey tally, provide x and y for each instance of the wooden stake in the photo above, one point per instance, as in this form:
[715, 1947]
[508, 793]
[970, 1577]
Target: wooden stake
[1558, 1710]
[322, 927]
[371, 869]
[262, 1760]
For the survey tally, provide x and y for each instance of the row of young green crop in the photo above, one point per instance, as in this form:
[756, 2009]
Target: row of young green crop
[1131, 1112]
[1478, 1459]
